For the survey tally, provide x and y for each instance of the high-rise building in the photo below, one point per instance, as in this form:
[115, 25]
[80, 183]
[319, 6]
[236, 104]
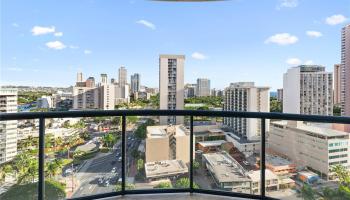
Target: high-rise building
[337, 83]
[122, 76]
[135, 83]
[245, 96]
[203, 87]
[171, 86]
[106, 94]
[345, 71]
[85, 94]
[280, 94]
[190, 90]
[308, 89]
[8, 129]
[80, 77]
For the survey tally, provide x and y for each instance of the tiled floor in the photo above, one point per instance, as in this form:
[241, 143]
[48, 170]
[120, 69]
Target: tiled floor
[172, 197]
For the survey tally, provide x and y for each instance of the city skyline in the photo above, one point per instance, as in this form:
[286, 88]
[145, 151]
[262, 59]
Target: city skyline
[37, 46]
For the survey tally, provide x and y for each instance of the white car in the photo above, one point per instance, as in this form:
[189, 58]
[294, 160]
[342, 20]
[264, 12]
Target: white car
[120, 159]
[114, 170]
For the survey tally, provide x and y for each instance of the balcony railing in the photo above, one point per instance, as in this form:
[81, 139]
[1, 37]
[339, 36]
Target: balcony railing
[189, 113]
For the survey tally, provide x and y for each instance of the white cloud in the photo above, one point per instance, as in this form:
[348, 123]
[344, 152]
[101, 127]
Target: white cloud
[315, 34]
[58, 34]
[198, 56]
[335, 19]
[147, 24]
[293, 61]
[15, 25]
[86, 51]
[73, 47]
[308, 62]
[282, 39]
[55, 45]
[17, 69]
[287, 4]
[41, 30]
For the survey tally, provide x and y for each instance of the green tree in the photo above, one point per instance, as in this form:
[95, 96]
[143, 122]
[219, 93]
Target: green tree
[109, 140]
[308, 193]
[140, 164]
[185, 183]
[4, 170]
[53, 168]
[275, 105]
[336, 110]
[128, 186]
[163, 185]
[53, 191]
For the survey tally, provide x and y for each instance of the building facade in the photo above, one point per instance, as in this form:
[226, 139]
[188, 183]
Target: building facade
[345, 71]
[280, 95]
[203, 87]
[171, 86]
[167, 143]
[122, 76]
[245, 96]
[319, 149]
[308, 89]
[135, 83]
[190, 90]
[8, 129]
[337, 84]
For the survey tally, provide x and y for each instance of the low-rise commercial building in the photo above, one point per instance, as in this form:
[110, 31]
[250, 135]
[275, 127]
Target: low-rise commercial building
[226, 172]
[164, 169]
[167, 143]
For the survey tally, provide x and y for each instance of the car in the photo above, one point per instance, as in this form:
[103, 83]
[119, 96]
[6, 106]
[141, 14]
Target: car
[100, 180]
[106, 184]
[114, 170]
[120, 159]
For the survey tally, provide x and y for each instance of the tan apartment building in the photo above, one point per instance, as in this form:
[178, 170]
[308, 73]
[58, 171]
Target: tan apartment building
[245, 96]
[317, 148]
[171, 86]
[337, 84]
[345, 71]
[167, 143]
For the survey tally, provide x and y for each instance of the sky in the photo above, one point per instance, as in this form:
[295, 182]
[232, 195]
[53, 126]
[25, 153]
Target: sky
[46, 42]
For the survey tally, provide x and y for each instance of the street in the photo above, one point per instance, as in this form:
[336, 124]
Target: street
[101, 166]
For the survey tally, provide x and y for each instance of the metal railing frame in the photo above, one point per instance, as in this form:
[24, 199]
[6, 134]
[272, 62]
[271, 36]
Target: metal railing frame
[190, 113]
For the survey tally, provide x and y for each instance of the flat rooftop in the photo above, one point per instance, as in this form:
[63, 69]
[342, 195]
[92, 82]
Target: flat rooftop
[224, 168]
[277, 160]
[255, 175]
[162, 131]
[165, 168]
[213, 143]
[326, 132]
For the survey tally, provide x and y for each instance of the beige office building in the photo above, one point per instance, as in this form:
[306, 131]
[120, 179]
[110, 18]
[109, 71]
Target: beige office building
[171, 86]
[319, 149]
[8, 129]
[167, 143]
[308, 89]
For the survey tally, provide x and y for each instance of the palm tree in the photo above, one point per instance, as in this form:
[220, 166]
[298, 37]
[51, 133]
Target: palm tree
[53, 168]
[4, 170]
[58, 142]
[308, 193]
[108, 140]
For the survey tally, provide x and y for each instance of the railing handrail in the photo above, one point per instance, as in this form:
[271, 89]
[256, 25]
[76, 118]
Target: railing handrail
[208, 113]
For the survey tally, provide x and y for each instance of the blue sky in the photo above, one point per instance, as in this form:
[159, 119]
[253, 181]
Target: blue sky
[46, 42]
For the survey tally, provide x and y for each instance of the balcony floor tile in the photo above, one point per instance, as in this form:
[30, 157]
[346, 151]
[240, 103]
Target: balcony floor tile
[173, 197]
